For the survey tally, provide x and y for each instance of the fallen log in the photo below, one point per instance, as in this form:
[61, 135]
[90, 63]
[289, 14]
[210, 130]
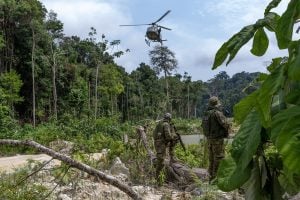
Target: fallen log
[73, 163]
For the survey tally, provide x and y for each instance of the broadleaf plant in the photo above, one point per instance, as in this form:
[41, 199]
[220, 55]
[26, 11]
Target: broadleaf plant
[269, 117]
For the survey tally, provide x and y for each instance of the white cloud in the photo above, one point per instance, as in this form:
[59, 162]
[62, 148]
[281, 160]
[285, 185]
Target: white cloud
[80, 15]
[234, 14]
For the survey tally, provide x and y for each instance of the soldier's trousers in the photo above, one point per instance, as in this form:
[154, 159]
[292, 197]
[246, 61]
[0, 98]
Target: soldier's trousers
[216, 154]
[160, 148]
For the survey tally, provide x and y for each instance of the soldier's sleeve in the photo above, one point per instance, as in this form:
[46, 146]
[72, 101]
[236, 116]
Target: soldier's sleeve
[222, 120]
[167, 131]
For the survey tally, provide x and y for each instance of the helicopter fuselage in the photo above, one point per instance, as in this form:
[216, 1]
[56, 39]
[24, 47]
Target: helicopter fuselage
[153, 33]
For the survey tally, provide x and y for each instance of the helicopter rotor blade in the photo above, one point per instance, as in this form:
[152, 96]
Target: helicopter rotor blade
[164, 27]
[135, 24]
[162, 17]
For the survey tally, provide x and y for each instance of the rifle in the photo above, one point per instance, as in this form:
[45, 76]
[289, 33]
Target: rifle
[179, 138]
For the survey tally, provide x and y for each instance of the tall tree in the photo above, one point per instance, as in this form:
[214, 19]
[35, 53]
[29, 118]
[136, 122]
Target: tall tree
[54, 28]
[163, 60]
[36, 15]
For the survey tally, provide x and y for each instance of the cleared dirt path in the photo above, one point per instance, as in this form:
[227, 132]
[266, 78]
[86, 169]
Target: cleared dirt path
[9, 164]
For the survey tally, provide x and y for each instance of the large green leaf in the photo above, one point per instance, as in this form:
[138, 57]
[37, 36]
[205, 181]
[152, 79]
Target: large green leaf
[268, 89]
[221, 55]
[294, 67]
[246, 142]
[271, 20]
[275, 63]
[244, 107]
[240, 39]
[233, 45]
[231, 177]
[272, 4]
[292, 187]
[260, 43]
[253, 185]
[285, 134]
[293, 97]
[284, 30]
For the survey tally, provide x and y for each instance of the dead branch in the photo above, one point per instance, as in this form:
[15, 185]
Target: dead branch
[73, 163]
[142, 135]
[65, 173]
[34, 172]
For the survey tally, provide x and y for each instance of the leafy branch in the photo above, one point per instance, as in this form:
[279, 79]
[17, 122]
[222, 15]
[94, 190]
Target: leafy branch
[269, 116]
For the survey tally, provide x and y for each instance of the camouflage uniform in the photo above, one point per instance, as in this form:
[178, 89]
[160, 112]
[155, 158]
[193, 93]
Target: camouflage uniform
[218, 130]
[164, 137]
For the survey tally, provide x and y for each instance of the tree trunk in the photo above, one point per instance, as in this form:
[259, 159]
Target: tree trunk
[73, 163]
[33, 77]
[96, 91]
[89, 94]
[141, 135]
[54, 84]
[167, 91]
[112, 103]
[127, 103]
[188, 103]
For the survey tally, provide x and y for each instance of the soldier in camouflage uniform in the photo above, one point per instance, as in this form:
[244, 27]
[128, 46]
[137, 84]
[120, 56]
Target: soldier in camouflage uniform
[218, 129]
[164, 137]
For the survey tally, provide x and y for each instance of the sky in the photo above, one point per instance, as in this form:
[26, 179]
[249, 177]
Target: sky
[199, 28]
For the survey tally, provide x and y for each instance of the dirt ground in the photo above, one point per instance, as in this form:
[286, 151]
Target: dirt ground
[9, 164]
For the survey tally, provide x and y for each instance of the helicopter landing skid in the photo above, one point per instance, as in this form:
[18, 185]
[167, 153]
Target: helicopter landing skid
[147, 42]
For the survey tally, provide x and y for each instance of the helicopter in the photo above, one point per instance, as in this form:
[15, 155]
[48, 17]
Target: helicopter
[153, 33]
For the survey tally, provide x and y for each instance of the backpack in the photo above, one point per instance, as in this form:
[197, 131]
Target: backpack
[157, 132]
[206, 122]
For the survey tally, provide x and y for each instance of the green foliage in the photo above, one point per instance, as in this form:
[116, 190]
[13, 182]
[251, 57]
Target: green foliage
[244, 107]
[193, 156]
[6, 122]
[163, 60]
[254, 184]
[2, 44]
[246, 141]
[285, 135]
[286, 22]
[294, 71]
[260, 43]
[111, 80]
[187, 127]
[230, 175]
[273, 83]
[13, 188]
[271, 112]
[272, 4]
[10, 84]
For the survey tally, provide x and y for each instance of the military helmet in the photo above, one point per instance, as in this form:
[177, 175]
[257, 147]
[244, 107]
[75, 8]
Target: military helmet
[213, 101]
[167, 116]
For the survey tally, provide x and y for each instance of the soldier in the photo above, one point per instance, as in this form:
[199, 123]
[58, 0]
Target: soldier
[216, 128]
[164, 137]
